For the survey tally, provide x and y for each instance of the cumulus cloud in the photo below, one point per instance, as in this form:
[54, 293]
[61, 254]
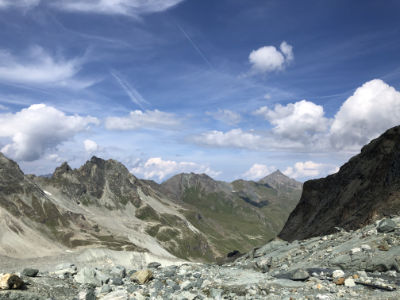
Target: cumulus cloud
[90, 146]
[143, 119]
[157, 168]
[39, 67]
[24, 4]
[226, 116]
[269, 58]
[296, 120]
[309, 169]
[121, 7]
[373, 108]
[258, 171]
[38, 128]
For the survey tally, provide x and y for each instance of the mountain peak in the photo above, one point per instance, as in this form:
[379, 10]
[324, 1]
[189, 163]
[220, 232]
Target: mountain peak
[64, 168]
[277, 179]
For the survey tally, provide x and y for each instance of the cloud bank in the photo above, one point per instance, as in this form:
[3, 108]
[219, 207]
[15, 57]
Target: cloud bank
[303, 126]
[39, 128]
[157, 168]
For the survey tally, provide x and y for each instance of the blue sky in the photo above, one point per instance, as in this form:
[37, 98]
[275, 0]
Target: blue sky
[232, 88]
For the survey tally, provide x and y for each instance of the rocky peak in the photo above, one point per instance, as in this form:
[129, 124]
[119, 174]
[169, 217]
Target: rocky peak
[278, 180]
[367, 187]
[64, 168]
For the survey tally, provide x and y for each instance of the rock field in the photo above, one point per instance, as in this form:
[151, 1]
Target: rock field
[362, 264]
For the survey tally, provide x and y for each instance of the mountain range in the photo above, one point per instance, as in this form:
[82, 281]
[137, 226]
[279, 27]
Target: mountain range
[102, 205]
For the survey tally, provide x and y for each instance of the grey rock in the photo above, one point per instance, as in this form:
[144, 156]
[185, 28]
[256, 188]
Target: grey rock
[117, 281]
[300, 275]
[153, 265]
[90, 295]
[105, 289]
[90, 276]
[118, 271]
[30, 272]
[386, 225]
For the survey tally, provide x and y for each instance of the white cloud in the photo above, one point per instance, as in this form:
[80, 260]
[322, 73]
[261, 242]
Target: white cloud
[226, 116]
[258, 171]
[90, 146]
[233, 138]
[309, 169]
[157, 168]
[38, 128]
[25, 4]
[39, 67]
[268, 58]
[123, 7]
[287, 50]
[143, 119]
[296, 121]
[373, 108]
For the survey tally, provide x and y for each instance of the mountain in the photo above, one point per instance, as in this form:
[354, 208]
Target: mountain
[101, 205]
[237, 215]
[365, 189]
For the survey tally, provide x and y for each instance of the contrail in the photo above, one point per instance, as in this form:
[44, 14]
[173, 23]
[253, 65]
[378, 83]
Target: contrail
[198, 50]
[132, 93]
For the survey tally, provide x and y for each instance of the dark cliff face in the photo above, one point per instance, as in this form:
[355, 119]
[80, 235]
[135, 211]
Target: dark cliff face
[366, 188]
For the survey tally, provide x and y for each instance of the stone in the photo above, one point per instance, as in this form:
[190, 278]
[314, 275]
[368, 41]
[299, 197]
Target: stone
[300, 275]
[142, 276]
[65, 270]
[355, 250]
[153, 265]
[339, 281]
[117, 295]
[89, 276]
[118, 271]
[366, 247]
[337, 274]
[386, 225]
[30, 272]
[349, 282]
[186, 285]
[10, 282]
[90, 295]
[105, 289]
[117, 281]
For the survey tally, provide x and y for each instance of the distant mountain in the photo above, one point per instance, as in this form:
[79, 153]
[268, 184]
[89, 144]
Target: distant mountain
[237, 215]
[281, 182]
[365, 189]
[102, 205]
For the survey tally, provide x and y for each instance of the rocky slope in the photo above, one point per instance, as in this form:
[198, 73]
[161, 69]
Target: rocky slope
[235, 215]
[102, 205]
[367, 187]
[361, 264]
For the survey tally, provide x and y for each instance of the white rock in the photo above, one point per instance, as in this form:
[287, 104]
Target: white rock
[355, 250]
[337, 274]
[366, 247]
[349, 282]
[116, 295]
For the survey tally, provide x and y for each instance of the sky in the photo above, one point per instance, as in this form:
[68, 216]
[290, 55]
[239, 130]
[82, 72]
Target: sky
[230, 88]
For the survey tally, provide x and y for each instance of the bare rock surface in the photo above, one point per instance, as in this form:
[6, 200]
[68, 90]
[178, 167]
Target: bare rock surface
[343, 265]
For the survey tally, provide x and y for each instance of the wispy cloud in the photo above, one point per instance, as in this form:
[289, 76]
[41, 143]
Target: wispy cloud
[38, 67]
[132, 93]
[23, 4]
[143, 119]
[226, 116]
[133, 8]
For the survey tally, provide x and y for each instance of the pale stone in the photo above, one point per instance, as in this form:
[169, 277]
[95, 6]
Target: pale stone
[349, 282]
[10, 282]
[337, 274]
[142, 276]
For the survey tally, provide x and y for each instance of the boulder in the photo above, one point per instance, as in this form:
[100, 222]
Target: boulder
[10, 282]
[386, 225]
[30, 272]
[153, 265]
[91, 276]
[142, 276]
[300, 275]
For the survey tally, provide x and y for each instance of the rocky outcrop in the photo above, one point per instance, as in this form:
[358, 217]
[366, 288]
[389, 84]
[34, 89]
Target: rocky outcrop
[367, 187]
